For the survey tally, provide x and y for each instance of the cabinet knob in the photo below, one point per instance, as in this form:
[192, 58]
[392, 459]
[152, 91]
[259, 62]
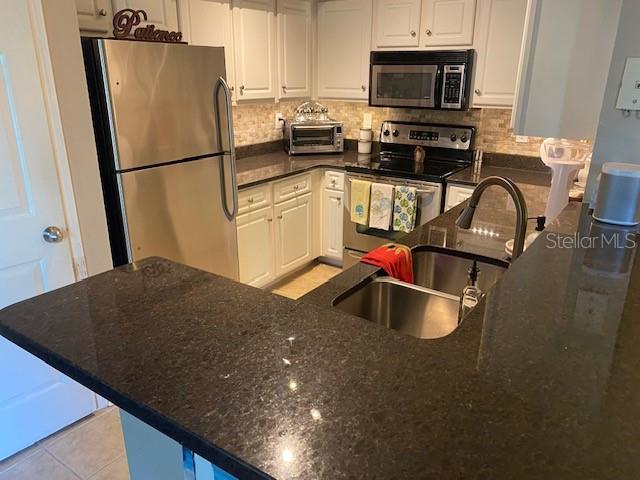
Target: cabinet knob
[279, 217]
[250, 199]
[296, 187]
[477, 91]
[429, 32]
[413, 33]
[284, 88]
[232, 88]
[364, 89]
[269, 219]
[241, 89]
[102, 12]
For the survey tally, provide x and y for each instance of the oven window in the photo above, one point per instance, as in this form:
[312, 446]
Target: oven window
[304, 137]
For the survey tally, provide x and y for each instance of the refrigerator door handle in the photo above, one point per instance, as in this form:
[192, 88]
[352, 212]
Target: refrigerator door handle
[230, 214]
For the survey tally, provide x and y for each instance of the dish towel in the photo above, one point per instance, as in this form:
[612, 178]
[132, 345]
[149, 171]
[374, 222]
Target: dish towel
[394, 259]
[404, 209]
[381, 206]
[360, 194]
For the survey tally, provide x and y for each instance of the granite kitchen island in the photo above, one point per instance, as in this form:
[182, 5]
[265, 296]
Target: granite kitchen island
[541, 380]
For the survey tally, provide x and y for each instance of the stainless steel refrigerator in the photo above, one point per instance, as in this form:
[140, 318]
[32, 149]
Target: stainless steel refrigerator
[163, 126]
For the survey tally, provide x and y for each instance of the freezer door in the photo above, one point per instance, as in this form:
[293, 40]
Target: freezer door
[161, 99]
[174, 211]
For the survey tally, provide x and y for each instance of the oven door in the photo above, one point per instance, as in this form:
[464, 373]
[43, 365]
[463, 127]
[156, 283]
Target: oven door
[403, 85]
[312, 138]
[361, 238]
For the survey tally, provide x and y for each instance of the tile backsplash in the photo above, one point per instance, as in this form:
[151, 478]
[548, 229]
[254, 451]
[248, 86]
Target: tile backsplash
[255, 123]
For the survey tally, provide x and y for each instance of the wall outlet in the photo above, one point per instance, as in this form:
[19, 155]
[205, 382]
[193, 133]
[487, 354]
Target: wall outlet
[279, 120]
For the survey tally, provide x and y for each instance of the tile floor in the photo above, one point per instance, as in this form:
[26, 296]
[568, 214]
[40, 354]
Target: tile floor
[93, 448]
[302, 282]
[90, 449]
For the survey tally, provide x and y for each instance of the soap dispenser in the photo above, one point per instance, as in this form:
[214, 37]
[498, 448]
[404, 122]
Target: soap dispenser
[471, 294]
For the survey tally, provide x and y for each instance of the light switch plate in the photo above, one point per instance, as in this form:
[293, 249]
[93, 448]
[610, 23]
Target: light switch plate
[629, 96]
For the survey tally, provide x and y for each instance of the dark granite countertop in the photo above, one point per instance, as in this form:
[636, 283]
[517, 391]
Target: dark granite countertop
[267, 167]
[520, 169]
[542, 380]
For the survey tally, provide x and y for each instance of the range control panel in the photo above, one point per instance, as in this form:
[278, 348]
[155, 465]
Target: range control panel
[427, 135]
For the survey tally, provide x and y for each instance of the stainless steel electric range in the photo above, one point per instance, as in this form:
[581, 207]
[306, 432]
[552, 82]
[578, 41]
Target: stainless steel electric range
[420, 155]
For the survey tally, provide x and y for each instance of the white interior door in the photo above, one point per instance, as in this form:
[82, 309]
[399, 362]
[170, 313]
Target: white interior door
[35, 399]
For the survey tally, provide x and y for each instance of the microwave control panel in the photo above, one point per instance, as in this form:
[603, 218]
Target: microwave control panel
[453, 80]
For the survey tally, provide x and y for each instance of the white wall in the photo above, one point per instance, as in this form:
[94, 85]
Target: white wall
[73, 99]
[563, 70]
[618, 137]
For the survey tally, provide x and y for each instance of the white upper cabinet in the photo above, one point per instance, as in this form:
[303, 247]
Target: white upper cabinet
[162, 13]
[209, 23]
[498, 40]
[344, 41]
[567, 49]
[94, 15]
[447, 22]
[294, 47]
[397, 23]
[254, 33]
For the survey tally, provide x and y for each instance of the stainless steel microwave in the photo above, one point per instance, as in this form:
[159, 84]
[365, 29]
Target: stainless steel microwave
[438, 80]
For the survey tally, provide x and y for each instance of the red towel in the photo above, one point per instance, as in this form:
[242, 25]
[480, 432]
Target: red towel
[394, 259]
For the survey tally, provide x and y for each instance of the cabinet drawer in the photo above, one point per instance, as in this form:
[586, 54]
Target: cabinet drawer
[291, 187]
[334, 180]
[254, 198]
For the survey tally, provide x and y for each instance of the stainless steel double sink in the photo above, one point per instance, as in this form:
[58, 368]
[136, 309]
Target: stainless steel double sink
[430, 307]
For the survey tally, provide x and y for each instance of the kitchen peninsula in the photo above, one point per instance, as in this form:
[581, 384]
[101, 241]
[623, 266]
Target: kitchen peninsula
[539, 381]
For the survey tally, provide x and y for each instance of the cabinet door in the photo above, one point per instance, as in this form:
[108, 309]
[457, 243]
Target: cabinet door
[344, 41]
[255, 247]
[294, 47]
[94, 15]
[332, 225]
[294, 231]
[254, 48]
[162, 13]
[498, 39]
[209, 23]
[456, 195]
[448, 22]
[397, 23]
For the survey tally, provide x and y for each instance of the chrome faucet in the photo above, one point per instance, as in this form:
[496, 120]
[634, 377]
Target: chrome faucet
[465, 218]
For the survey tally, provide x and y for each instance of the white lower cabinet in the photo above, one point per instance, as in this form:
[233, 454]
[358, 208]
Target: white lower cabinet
[456, 194]
[332, 208]
[256, 247]
[276, 238]
[294, 233]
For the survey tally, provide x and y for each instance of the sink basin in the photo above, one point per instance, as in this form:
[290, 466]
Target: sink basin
[409, 309]
[447, 271]
[428, 309]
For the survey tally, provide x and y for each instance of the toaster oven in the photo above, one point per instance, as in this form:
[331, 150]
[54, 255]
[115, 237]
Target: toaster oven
[313, 137]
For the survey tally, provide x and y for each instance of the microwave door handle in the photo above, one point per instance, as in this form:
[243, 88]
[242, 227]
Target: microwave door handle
[230, 214]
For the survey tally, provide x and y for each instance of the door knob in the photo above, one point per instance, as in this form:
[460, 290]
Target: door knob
[102, 12]
[52, 234]
[413, 33]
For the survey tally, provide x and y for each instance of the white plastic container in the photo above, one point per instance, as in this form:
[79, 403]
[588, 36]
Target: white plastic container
[618, 200]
